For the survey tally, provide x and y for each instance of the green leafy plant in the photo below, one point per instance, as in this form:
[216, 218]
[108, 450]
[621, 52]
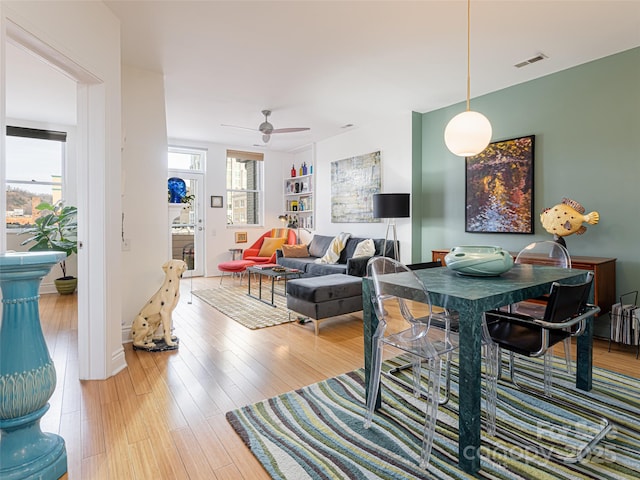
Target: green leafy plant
[56, 229]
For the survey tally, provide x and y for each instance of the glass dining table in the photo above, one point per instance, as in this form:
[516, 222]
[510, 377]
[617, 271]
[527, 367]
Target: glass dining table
[471, 297]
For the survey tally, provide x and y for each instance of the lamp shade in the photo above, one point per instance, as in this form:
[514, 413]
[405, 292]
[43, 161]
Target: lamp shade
[390, 205]
[467, 134]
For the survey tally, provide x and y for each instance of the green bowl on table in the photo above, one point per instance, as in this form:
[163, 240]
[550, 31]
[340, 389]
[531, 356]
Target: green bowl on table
[479, 260]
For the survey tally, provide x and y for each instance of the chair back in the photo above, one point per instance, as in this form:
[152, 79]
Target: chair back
[385, 302]
[567, 301]
[545, 253]
[421, 266]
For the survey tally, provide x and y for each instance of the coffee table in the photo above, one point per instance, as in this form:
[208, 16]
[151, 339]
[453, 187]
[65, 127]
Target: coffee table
[275, 273]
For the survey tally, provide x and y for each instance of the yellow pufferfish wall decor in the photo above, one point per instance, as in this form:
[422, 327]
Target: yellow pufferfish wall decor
[567, 218]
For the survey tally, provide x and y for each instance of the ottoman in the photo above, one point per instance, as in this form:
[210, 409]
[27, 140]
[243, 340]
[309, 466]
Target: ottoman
[326, 296]
[233, 267]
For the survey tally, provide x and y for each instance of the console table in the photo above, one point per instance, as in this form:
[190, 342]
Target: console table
[27, 373]
[603, 268]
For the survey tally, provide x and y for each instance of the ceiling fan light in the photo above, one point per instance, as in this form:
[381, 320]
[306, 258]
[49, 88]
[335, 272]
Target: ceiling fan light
[266, 128]
[266, 137]
[467, 134]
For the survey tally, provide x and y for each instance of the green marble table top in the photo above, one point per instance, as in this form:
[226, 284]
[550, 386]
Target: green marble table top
[458, 292]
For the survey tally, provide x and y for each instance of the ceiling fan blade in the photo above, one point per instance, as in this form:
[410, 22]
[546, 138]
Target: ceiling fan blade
[237, 126]
[290, 130]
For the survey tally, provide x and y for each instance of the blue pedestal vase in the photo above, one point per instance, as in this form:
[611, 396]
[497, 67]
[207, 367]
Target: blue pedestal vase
[27, 373]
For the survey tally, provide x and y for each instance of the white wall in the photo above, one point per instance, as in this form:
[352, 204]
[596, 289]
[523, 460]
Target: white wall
[393, 140]
[144, 188]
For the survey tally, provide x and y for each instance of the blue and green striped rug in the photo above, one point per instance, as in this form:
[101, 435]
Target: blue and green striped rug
[316, 432]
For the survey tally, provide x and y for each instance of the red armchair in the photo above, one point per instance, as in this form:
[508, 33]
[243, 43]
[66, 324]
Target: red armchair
[253, 252]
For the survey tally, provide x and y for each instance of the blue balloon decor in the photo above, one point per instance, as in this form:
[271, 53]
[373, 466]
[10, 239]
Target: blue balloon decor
[177, 189]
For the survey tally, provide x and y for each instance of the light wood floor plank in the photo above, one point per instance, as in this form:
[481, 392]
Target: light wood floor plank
[192, 455]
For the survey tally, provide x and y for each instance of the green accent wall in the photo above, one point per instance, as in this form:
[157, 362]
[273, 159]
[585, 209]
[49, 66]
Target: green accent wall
[587, 147]
[416, 186]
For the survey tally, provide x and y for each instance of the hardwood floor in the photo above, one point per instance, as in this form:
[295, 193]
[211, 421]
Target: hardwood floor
[164, 416]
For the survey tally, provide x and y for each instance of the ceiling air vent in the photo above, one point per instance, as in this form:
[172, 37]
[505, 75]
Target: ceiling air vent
[537, 58]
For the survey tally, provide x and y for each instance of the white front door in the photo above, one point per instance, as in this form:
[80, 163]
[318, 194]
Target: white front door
[187, 230]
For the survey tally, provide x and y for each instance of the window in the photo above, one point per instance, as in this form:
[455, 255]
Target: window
[35, 160]
[244, 188]
[186, 159]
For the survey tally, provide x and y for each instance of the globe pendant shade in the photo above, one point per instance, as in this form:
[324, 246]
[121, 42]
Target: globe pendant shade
[467, 134]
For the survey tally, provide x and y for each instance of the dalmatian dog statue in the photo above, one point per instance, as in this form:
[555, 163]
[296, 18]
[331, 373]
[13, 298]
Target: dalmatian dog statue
[159, 308]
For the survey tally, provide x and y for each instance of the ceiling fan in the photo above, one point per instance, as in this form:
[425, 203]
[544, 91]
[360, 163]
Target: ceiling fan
[266, 128]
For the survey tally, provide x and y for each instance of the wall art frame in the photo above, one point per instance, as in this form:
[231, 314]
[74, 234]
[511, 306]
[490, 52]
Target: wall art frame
[499, 189]
[241, 237]
[354, 181]
[216, 201]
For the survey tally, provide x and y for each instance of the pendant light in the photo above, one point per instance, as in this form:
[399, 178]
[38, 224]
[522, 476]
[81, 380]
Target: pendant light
[468, 133]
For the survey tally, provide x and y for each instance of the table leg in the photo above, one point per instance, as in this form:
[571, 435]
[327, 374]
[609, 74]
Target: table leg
[370, 323]
[273, 285]
[584, 358]
[469, 423]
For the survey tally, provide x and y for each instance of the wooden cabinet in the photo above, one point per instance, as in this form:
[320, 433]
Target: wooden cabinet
[604, 280]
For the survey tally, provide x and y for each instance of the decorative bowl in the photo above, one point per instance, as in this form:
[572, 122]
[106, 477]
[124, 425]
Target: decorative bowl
[479, 261]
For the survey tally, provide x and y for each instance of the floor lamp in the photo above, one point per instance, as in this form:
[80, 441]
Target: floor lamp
[391, 206]
[293, 222]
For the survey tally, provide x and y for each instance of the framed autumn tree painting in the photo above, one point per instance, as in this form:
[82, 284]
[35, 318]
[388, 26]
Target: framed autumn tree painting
[499, 188]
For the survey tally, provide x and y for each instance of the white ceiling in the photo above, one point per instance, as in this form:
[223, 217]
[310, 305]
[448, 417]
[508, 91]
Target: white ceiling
[325, 64]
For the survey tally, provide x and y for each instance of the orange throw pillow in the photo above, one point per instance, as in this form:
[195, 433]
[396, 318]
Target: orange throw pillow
[295, 251]
[270, 245]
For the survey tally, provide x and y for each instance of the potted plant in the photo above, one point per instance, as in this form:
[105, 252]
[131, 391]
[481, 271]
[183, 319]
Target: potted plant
[56, 229]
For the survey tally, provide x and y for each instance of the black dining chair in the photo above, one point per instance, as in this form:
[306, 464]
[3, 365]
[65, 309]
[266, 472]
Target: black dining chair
[551, 254]
[565, 315]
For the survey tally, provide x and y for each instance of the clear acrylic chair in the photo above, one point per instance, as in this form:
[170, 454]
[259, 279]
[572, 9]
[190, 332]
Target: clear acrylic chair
[565, 315]
[419, 340]
[551, 254]
[440, 318]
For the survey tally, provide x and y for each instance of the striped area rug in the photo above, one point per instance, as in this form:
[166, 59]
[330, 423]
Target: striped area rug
[316, 432]
[233, 301]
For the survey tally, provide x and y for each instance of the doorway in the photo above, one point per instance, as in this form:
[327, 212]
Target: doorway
[100, 351]
[187, 229]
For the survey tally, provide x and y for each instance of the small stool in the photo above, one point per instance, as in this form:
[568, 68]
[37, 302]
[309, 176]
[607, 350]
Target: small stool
[323, 297]
[233, 267]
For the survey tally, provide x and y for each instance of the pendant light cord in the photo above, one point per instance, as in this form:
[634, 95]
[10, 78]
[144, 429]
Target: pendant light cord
[468, 52]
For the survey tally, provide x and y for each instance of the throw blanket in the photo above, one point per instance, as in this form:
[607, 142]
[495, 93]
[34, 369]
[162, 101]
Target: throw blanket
[333, 252]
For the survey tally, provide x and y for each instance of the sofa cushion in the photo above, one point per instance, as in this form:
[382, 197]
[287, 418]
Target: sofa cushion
[295, 251]
[297, 263]
[316, 269]
[332, 255]
[270, 245]
[319, 245]
[325, 288]
[365, 248]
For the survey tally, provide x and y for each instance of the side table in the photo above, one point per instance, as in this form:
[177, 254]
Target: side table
[27, 373]
[236, 253]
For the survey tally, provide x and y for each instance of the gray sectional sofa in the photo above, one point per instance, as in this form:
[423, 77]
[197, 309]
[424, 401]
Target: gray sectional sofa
[328, 290]
[346, 263]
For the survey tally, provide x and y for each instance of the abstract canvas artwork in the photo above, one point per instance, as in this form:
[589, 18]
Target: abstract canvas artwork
[499, 188]
[353, 182]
